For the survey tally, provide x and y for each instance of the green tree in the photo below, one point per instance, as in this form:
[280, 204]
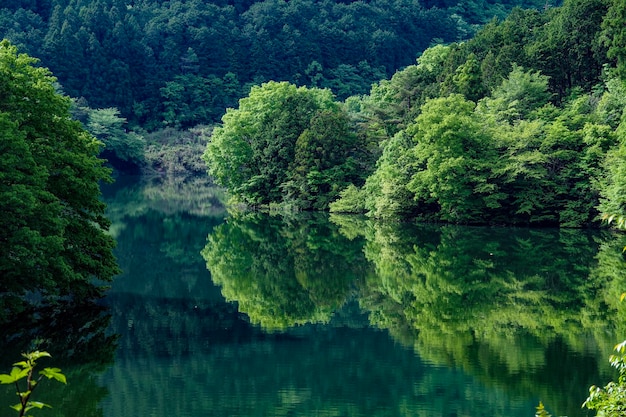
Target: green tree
[568, 47]
[282, 133]
[518, 96]
[109, 127]
[454, 158]
[53, 232]
[468, 79]
[614, 35]
[323, 164]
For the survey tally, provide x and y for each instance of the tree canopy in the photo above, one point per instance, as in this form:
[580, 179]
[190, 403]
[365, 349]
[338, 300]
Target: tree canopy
[180, 63]
[284, 144]
[53, 230]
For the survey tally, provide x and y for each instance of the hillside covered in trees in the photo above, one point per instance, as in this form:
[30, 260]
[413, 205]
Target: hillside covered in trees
[180, 63]
[521, 124]
[509, 115]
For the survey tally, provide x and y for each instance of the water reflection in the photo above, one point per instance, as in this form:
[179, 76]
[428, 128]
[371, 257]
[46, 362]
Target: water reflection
[284, 272]
[518, 308]
[299, 315]
[522, 310]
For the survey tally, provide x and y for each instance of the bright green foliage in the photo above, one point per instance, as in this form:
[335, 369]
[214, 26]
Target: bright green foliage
[610, 401]
[513, 158]
[553, 160]
[454, 158]
[25, 370]
[109, 127]
[613, 183]
[351, 200]
[613, 193]
[519, 95]
[541, 411]
[283, 144]
[386, 195]
[52, 233]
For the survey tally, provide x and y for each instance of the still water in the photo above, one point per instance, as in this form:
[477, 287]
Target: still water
[245, 314]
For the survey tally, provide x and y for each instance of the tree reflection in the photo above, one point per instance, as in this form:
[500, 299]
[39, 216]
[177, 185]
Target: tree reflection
[283, 272]
[532, 310]
[523, 307]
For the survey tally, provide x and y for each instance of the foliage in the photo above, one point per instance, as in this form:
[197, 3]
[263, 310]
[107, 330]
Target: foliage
[283, 144]
[53, 237]
[108, 126]
[610, 401]
[283, 272]
[614, 35]
[25, 370]
[453, 159]
[541, 411]
[181, 63]
[514, 157]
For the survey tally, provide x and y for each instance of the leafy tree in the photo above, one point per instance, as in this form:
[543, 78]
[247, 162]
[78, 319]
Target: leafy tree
[52, 237]
[614, 35]
[386, 193]
[567, 48]
[518, 96]
[323, 164]
[454, 158]
[610, 401]
[191, 100]
[468, 79]
[109, 127]
[282, 137]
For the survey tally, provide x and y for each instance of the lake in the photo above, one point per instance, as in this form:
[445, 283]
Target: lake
[250, 314]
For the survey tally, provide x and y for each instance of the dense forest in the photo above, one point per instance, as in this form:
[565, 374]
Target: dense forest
[520, 124]
[180, 63]
[509, 114]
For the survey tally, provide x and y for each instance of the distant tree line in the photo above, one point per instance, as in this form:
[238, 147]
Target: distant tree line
[182, 63]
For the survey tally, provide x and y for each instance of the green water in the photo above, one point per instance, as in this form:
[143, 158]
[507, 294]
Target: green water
[222, 314]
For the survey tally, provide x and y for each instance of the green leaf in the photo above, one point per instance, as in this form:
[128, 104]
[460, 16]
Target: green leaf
[17, 407]
[15, 375]
[25, 394]
[53, 373]
[33, 356]
[35, 404]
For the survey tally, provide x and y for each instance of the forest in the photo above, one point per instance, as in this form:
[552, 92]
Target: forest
[462, 112]
[180, 63]
[521, 124]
